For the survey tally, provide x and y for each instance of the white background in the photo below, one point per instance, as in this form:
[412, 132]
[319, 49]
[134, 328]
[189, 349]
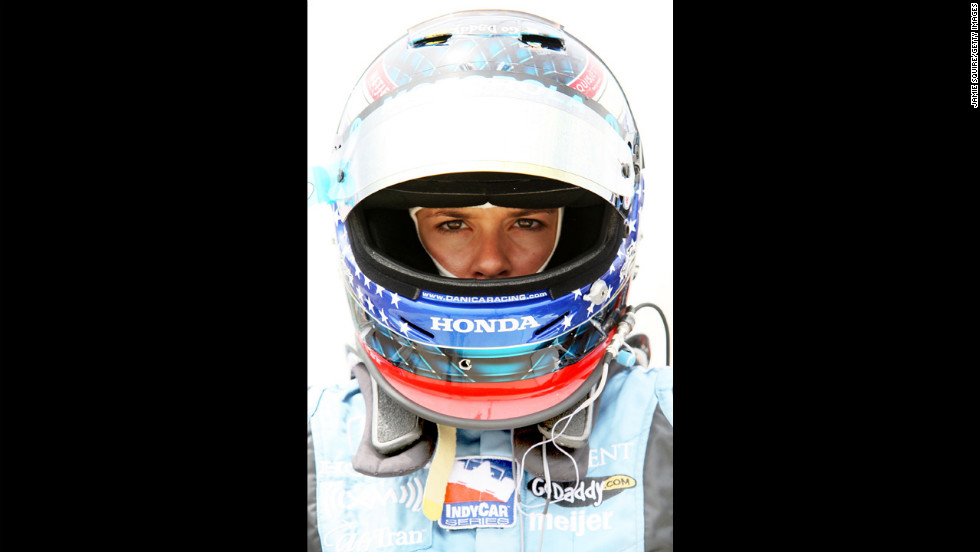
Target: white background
[635, 40]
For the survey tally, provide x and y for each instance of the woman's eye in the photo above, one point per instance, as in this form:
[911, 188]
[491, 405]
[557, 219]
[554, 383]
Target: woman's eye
[527, 223]
[452, 225]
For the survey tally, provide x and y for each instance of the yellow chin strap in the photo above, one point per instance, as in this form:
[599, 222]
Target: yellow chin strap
[442, 463]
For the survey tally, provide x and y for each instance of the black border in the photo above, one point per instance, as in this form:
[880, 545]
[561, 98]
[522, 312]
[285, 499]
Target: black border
[153, 276]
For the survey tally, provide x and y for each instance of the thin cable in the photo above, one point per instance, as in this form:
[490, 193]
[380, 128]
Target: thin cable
[547, 481]
[666, 326]
[567, 419]
[624, 327]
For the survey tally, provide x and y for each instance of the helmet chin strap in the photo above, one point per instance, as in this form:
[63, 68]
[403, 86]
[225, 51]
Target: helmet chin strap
[445, 273]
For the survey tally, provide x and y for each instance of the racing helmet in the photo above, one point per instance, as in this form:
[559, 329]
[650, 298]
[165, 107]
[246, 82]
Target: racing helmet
[476, 107]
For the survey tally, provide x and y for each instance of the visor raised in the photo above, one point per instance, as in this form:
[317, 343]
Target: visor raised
[482, 123]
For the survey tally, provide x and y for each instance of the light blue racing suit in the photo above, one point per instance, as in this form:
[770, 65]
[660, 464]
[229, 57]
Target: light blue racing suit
[625, 502]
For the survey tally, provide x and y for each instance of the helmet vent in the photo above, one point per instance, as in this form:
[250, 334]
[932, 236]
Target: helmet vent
[548, 326]
[432, 40]
[418, 329]
[543, 41]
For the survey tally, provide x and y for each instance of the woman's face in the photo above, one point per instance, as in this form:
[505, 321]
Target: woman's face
[488, 242]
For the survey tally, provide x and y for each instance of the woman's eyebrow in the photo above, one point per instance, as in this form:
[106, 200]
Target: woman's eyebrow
[526, 212]
[447, 213]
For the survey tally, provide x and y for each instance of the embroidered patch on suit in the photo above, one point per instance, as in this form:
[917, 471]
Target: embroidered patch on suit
[480, 493]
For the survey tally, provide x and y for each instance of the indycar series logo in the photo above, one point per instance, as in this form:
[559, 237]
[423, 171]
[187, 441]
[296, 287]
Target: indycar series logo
[480, 493]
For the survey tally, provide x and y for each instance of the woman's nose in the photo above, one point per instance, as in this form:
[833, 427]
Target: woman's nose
[490, 259]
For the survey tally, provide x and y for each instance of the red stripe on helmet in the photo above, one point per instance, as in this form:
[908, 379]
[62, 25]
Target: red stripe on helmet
[490, 401]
